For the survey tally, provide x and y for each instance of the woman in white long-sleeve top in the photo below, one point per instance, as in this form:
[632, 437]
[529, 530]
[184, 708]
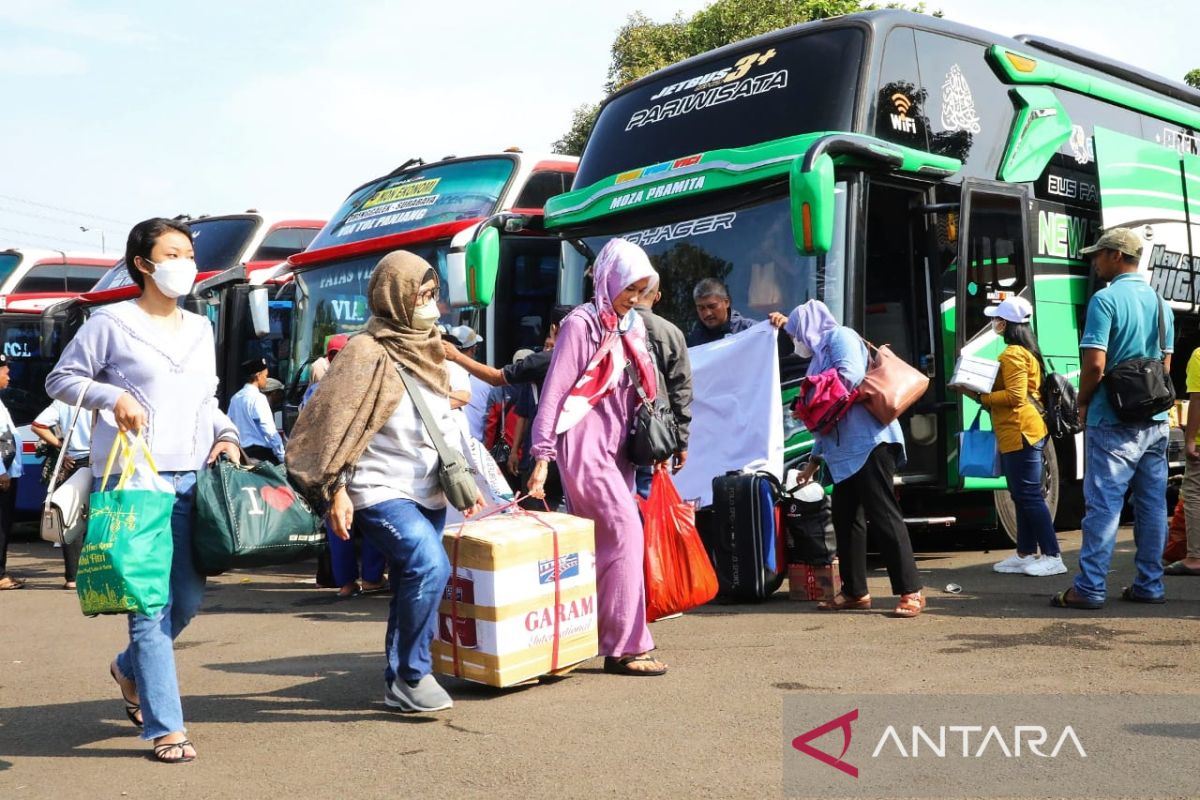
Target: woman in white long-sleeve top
[147, 365]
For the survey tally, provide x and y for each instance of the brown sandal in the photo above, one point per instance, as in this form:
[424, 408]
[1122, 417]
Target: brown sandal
[910, 605]
[844, 602]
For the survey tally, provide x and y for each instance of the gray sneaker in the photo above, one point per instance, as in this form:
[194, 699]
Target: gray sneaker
[428, 695]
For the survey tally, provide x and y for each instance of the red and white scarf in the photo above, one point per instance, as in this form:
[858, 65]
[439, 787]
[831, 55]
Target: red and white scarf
[620, 264]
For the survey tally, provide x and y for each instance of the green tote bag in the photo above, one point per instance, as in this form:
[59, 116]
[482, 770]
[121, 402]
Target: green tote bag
[251, 517]
[125, 564]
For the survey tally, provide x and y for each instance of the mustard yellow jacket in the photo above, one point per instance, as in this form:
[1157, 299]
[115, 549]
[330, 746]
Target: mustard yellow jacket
[1014, 416]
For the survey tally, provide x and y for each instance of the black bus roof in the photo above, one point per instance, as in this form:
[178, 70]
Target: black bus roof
[877, 24]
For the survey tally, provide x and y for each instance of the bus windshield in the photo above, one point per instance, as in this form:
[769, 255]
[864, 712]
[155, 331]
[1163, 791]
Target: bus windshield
[8, 263]
[749, 248]
[25, 396]
[218, 242]
[417, 198]
[332, 299]
[758, 94]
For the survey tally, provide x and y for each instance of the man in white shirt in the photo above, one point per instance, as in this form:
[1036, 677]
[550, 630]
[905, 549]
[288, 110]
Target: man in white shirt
[11, 447]
[58, 416]
[251, 413]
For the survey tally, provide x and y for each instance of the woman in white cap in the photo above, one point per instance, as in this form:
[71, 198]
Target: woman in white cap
[1021, 438]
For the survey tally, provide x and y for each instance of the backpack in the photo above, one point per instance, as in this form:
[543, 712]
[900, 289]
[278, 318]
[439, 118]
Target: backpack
[823, 401]
[1060, 406]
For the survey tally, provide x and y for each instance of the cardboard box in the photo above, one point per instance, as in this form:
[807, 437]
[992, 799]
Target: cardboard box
[506, 598]
[976, 374]
[811, 581]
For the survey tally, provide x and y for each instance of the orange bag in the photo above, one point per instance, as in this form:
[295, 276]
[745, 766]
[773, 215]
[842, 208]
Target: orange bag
[679, 574]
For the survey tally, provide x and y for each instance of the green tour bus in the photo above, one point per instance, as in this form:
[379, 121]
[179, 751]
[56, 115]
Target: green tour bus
[908, 171]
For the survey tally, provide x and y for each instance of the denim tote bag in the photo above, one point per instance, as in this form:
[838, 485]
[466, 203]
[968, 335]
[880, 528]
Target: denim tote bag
[978, 456]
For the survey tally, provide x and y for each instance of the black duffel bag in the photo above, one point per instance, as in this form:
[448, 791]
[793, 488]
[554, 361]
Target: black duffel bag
[1139, 388]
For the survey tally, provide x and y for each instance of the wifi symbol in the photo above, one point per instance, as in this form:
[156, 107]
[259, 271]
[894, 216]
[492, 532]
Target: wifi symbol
[902, 103]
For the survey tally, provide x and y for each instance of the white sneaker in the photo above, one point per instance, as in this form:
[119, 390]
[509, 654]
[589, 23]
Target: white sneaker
[1046, 565]
[1014, 564]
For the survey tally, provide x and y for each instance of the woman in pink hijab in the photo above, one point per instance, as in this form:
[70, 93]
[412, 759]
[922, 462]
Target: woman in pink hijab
[583, 421]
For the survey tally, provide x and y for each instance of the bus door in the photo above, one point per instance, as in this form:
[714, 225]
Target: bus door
[898, 309]
[526, 288]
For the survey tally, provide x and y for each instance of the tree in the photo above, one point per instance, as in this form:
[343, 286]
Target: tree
[643, 45]
[1193, 79]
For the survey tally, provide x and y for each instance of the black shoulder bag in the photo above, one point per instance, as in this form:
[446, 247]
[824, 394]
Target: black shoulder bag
[653, 437]
[1139, 388]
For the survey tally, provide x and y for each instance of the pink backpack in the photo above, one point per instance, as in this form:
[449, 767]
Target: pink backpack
[823, 401]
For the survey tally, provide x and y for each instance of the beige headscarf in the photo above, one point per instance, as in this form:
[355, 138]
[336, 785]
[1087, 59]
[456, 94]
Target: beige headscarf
[362, 388]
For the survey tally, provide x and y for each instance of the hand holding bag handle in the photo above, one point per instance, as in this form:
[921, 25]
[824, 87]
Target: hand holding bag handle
[56, 520]
[454, 475]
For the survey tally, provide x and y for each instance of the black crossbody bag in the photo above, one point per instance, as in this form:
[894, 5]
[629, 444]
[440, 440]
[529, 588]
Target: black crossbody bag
[653, 437]
[1139, 388]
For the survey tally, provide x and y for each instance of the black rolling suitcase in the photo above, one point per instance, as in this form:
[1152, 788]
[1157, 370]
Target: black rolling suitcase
[744, 536]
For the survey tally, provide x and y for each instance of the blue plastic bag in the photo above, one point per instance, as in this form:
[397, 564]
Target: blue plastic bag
[978, 456]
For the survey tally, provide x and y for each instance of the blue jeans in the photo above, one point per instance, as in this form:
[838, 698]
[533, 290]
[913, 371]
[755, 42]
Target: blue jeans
[1023, 471]
[150, 657]
[644, 476]
[410, 536]
[344, 559]
[1119, 458]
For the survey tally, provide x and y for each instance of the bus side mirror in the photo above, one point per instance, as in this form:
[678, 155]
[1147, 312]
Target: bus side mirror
[260, 317]
[483, 264]
[812, 201]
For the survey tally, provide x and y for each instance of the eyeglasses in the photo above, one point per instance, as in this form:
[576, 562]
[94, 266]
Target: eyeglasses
[427, 296]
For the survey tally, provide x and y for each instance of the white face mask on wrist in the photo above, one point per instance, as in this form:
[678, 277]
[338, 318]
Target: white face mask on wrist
[173, 276]
[425, 316]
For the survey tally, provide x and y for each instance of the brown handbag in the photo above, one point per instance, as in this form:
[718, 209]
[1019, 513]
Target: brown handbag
[891, 384]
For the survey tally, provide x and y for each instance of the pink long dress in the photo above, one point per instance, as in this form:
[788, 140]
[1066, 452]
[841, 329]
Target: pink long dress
[598, 481]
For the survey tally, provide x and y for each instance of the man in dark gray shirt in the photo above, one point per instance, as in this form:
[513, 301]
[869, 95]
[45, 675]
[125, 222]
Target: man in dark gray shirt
[669, 348]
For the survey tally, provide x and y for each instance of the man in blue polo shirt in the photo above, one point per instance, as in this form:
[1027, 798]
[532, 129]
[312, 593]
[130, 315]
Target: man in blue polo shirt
[1122, 324]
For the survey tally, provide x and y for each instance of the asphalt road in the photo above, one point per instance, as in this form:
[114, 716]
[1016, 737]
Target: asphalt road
[283, 688]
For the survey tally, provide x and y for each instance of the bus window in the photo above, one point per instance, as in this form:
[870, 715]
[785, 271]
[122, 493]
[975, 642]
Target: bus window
[283, 242]
[970, 113]
[541, 187]
[996, 260]
[901, 101]
[25, 396]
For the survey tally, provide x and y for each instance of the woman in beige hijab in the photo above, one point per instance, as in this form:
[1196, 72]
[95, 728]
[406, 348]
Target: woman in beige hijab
[361, 449]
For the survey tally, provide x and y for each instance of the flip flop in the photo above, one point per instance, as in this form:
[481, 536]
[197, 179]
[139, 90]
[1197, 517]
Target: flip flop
[620, 666]
[1064, 600]
[161, 751]
[1131, 596]
[1179, 568]
[132, 710]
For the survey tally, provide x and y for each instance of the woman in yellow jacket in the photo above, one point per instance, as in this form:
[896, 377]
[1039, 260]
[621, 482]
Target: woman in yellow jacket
[1021, 438]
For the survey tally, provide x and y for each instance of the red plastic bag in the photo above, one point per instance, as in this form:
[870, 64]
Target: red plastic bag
[1176, 547]
[679, 575]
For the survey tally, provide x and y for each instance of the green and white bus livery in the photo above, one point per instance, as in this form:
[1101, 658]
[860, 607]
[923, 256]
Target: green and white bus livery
[909, 172]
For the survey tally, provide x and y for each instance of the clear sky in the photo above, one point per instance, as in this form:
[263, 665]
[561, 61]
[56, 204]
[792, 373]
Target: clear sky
[125, 109]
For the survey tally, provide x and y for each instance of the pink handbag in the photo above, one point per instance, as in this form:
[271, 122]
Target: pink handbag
[891, 385]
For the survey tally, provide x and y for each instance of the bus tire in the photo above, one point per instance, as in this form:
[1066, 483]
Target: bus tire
[1006, 511]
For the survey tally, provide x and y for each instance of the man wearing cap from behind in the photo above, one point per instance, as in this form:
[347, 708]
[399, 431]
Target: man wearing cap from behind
[251, 412]
[1123, 322]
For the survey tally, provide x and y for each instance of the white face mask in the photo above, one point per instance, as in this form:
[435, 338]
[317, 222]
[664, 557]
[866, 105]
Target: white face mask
[426, 315]
[174, 276]
[802, 349]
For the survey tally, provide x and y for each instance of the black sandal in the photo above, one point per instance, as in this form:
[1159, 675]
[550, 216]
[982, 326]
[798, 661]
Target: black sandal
[160, 751]
[620, 666]
[132, 710]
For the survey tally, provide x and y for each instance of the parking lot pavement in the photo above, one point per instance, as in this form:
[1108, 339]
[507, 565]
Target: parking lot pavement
[283, 687]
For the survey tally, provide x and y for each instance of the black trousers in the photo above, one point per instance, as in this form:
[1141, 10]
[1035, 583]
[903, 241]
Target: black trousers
[865, 497]
[8, 505]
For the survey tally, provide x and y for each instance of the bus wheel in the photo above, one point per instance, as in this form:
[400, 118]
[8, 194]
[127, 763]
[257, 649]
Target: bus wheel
[1006, 512]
